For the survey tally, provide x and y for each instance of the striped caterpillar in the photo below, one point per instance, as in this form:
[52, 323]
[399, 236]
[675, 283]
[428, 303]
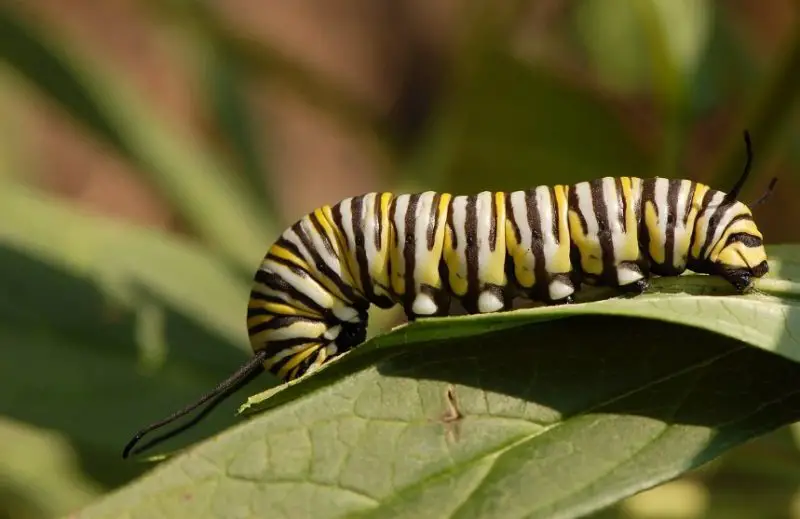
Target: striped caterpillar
[312, 290]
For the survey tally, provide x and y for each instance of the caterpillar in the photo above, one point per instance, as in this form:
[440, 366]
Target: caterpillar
[311, 293]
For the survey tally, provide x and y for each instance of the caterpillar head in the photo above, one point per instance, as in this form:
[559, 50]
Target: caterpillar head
[739, 255]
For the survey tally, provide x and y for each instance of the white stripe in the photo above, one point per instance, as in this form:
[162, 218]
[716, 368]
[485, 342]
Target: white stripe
[702, 225]
[399, 222]
[681, 232]
[519, 210]
[422, 216]
[614, 216]
[730, 213]
[483, 212]
[298, 329]
[544, 205]
[319, 241]
[346, 210]
[288, 352]
[305, 284]
[459, 229]
[661, 191]
[584, 195]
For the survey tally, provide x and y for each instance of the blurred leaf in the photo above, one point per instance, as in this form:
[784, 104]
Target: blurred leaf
[225, 82]
[550, 417]
[651, 45]
[510, 125]
[268, 61]
[220, 210]
[767, 117]
[614, 40]
[39, 469]
[107, 326]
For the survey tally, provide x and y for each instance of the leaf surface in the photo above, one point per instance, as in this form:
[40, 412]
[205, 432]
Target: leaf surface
[555, 412]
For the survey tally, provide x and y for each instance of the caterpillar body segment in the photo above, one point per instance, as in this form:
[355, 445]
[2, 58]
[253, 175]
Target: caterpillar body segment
[315, 284]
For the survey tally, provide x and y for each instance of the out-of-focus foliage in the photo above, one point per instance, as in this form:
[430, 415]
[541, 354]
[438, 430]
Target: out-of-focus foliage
[107, 326]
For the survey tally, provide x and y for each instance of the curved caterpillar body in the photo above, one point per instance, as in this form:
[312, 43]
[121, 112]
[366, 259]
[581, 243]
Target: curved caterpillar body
[312, 290]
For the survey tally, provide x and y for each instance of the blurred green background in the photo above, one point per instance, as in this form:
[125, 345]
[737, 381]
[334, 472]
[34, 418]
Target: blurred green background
[150, 151]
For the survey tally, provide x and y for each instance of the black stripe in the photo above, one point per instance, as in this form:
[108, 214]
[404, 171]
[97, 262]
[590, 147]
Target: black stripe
[291, 247]
[713, 222]
[604, 232]
[266, 298]
[322, 267]
[450, 223]
[493, 223]
[378, 215]
[740, 217]
[278, 323]
[673, 190]
[471, 253]
[648, 195]
[277, 283]
[356, 221]
[282, 345]
[326, 240]
[392, 213]
[433, 220]
[622, 203]
[336, 213]
[573, 205]
[511, 218]
[537, 240]
[689, 203]
[749, 240]
[409, 251]
[554, 208]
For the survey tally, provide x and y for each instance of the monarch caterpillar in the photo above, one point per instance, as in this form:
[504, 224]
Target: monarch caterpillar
[312, 290]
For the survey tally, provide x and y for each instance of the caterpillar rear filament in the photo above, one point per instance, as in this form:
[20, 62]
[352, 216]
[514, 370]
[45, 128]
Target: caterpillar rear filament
[312, 290]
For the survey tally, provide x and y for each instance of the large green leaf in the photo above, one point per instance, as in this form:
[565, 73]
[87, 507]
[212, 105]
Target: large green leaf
[215, 204]
[560, 411]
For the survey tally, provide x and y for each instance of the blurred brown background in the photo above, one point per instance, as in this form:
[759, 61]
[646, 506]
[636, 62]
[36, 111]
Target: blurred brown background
[216, 124]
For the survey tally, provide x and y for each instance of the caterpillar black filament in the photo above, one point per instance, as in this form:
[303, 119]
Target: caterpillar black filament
[313, 288]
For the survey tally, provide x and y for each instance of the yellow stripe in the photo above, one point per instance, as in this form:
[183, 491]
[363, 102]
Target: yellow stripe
[561, 264]
[295, 305]
[657, 241]
[495, 272]
[286, 309]
[591, 252]
[336, 235]
[697, 199]
[285, 254]
[259, 319]
[458, 283]
[630, 246]
[378, 270]
[522, 273]
[396, 260]
[296, 359]
[429, 268]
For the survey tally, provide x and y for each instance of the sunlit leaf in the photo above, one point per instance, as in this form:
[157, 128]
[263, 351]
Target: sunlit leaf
[521, 414]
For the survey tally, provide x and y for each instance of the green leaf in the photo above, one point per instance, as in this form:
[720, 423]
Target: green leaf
[218, 208]
[40, 473]
[106, 327]
[768, 117]
[550, 416]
